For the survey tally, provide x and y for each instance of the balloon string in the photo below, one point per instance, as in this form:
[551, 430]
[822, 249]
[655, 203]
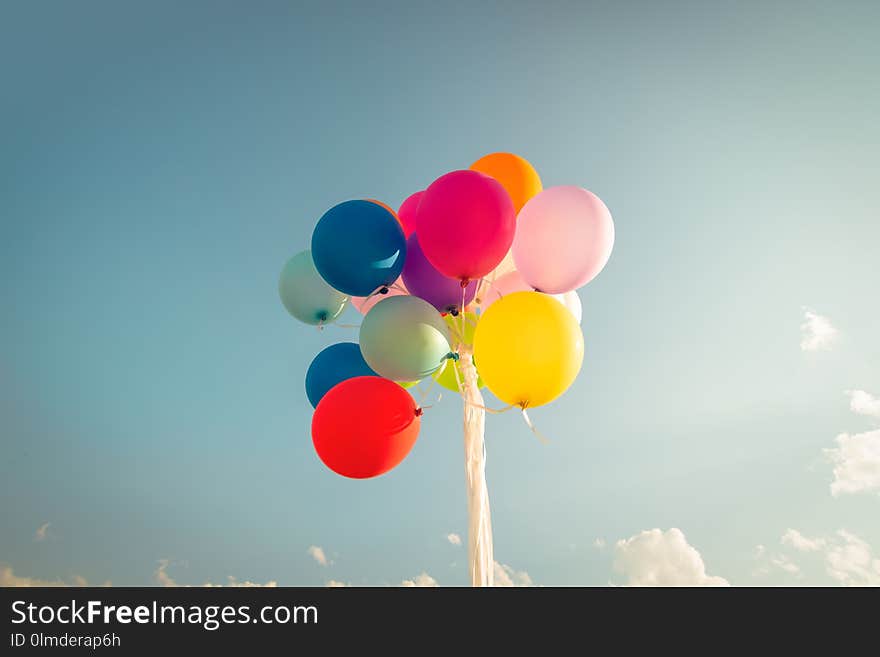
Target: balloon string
[531, 426]
[395, 286]
[424, 393]
[456, 336]
[494, 411]
[494, 287]
[461, 309]
[341, 325]
[458, 381]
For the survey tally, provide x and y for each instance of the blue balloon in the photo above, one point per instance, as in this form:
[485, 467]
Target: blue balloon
[335, 364]
[358, 247]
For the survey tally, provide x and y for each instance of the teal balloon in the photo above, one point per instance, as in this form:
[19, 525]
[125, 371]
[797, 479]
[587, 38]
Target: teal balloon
[404, 338]
[305, 294]
[358, 247]
[335, 364]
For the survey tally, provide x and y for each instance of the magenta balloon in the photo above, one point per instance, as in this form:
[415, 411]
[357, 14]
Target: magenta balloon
[422, 280]
[406, 214]
[363, 304]
[564, 237]
[465, 224]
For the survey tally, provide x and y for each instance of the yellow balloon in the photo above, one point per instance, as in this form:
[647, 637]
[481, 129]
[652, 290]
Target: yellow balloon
[445, 376]
[529, 348]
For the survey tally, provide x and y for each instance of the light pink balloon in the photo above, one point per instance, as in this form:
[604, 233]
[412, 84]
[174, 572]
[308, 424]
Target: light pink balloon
[363, 304]
[564, 237]
[508, 284]
[514, 282]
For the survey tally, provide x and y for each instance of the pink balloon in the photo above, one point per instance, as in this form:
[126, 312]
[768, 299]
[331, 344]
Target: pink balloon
[514, 282]
[407, 213]
[564, 237]
[465, 224]
[508, 284]
[363, 304]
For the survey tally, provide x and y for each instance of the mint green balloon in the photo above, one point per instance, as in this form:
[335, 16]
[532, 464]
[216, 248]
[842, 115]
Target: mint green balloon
[305, 294]
[404, 338]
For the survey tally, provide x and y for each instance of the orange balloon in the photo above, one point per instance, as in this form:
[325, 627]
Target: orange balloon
[514, 173]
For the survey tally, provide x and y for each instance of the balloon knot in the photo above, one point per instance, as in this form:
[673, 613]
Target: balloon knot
[453, 312]
[384, 290]
[465, 282]
[452, 356]
[419, 412]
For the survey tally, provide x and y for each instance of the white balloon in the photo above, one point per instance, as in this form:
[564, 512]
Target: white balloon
[572, 301]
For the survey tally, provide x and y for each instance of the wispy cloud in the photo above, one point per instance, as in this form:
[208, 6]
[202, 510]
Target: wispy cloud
[42, 532]
[317, 553]
[657, 558]
[423, 579]
[163, 578]
[455, 539]
[848, 559]
[784, 563]
[599, 544]
[333, 584]
[800, 542]
[507, 576]
[817, 332]
[8, 578]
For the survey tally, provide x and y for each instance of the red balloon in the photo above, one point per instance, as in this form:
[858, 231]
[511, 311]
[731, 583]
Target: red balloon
[406, 214]
[363, 427]
[465, 224]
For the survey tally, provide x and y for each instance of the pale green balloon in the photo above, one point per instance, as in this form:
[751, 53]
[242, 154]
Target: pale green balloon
[306, 295]
[404, 338]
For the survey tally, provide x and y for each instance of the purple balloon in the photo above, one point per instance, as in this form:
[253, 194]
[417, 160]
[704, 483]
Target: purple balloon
[422, 280]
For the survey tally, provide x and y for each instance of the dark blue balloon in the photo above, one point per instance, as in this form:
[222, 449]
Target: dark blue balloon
[358, 247]
[335, 364]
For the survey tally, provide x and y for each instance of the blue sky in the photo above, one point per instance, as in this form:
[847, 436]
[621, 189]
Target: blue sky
[160, 161]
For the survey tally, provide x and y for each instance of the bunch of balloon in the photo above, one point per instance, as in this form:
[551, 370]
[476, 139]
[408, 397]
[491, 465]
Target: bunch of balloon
[471, 285]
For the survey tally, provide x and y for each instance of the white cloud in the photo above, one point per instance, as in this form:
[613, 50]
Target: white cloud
[164, 579]
[656, 558]
[851, 562]
[420, 580]
[864, 403]
[335, 584]
[507, 576]
[9, 579]
[848, 559]
[42, 532]
[455, 539]
[800, 542]
[599, 543]
[317, 553]
[856, 462]
[817, 332]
